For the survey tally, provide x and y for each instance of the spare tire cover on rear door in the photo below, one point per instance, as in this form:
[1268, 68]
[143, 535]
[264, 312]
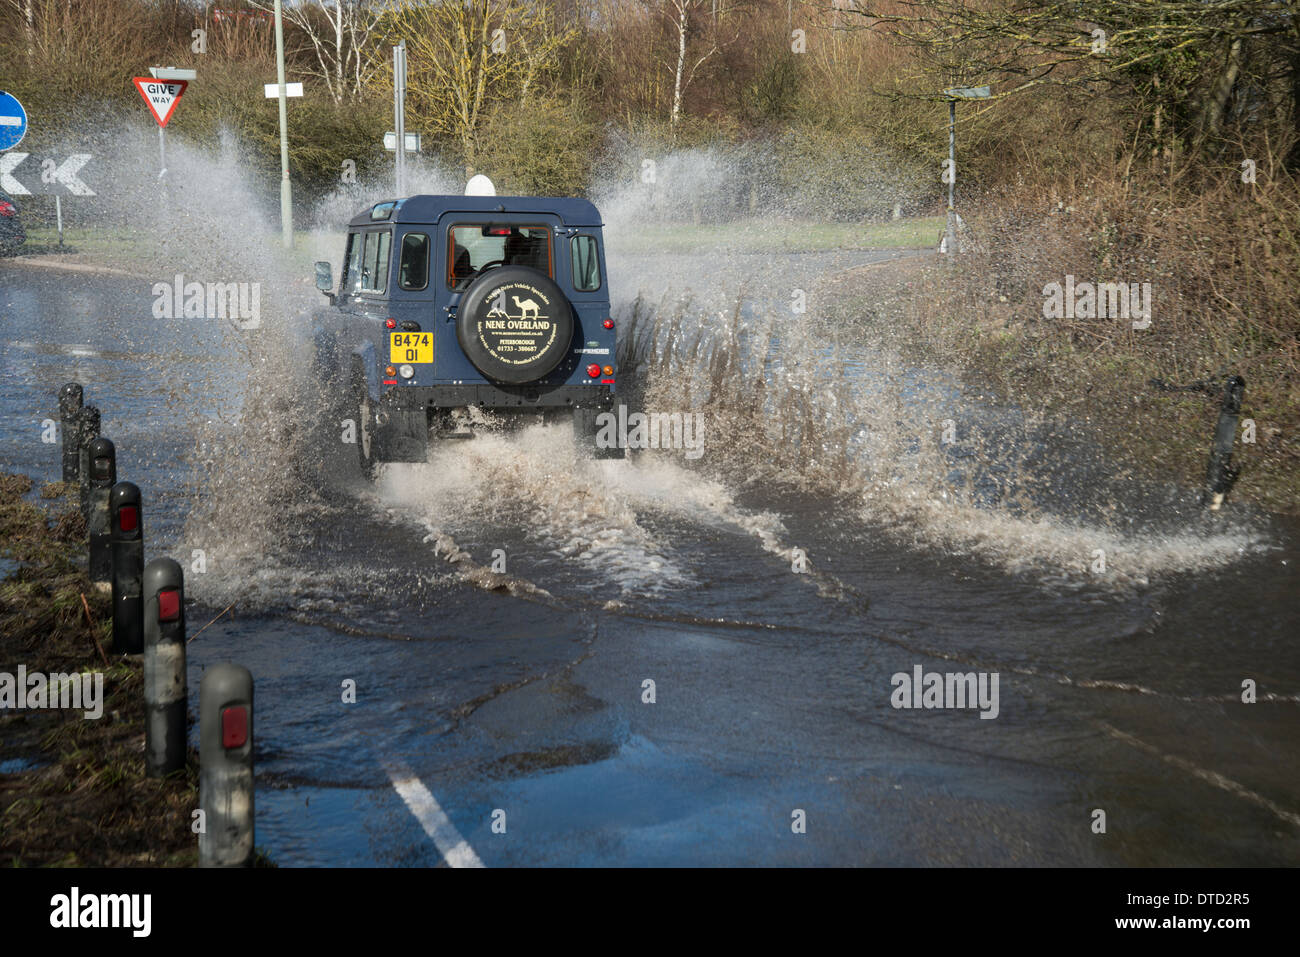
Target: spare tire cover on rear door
[514, 324]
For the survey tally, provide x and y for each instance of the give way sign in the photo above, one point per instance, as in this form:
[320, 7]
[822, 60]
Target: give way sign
[161, 95]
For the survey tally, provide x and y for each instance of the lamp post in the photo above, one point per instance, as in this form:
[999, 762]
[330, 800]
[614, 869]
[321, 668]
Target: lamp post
[399, 118]
[286, 192]
[952, 96]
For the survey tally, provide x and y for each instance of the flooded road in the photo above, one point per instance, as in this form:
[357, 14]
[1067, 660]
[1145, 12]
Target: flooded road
[771, 593]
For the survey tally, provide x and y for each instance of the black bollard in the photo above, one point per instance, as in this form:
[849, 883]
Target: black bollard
[70, 401]
[87, 431]
[226, 766]
[164, 667]
[127, 545]
[1220, 475]
[102, 456]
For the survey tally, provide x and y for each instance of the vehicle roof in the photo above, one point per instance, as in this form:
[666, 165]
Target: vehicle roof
[428, 208]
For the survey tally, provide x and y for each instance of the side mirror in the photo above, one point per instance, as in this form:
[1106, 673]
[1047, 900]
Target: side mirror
[324, 277]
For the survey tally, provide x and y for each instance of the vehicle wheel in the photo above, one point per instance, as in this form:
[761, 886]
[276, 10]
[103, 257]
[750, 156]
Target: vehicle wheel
[585, 429]
[365, 418]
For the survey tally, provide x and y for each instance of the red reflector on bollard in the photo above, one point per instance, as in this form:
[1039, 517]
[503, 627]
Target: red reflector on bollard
[234, 727]
[128, 517]
[169, 605]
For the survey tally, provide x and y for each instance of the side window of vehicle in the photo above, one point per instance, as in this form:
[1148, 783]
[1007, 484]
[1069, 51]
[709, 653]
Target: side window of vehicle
[413, 268]
[352, 277]
[374, 262]
[586, 263]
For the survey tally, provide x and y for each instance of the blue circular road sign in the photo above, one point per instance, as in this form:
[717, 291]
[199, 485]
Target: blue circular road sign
[13, 121]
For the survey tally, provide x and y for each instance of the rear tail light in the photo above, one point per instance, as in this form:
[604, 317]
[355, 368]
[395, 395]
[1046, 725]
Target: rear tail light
[609, 323]
[7, 208]
[593, 370]
[390, 323]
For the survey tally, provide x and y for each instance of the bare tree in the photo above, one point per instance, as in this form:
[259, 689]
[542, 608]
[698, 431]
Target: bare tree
[686, 16]
[464, 56]
[1187, 59]
[340, 33]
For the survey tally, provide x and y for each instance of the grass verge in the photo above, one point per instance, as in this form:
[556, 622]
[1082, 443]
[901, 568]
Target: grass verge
[75, 793]
[115, 248]
[779, 236]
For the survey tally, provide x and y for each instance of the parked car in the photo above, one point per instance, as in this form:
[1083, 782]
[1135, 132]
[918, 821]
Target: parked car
[12, 234]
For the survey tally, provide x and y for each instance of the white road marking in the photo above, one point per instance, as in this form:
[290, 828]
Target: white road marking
[454, 848]
[1210, 777]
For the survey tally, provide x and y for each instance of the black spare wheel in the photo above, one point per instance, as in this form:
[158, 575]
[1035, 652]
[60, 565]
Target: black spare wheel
[514, 324]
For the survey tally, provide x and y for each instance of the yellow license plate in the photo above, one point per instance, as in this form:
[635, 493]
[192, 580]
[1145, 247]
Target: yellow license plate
[412, 347]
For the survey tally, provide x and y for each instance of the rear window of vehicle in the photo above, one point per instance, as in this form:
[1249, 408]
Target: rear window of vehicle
[368, 262]
[472, 247]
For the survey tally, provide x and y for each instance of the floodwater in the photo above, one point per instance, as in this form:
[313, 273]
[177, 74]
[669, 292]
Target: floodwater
[824, 541]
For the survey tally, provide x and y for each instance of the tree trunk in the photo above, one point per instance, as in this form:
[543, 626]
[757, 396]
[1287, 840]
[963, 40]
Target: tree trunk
[338, 49]
[1216, 98]
[681, 64]
[1293, 155]
[29, 26]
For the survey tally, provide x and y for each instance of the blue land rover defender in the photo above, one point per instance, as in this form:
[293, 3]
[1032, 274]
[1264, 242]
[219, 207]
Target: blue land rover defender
[450, 304]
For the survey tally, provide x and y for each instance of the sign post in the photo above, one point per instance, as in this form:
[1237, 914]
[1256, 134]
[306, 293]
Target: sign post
[162, 91]
[952, 96]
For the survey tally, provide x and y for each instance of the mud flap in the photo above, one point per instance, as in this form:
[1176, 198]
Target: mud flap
[404, 437]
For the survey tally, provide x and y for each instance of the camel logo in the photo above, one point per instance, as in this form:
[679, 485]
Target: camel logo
[517, 327]
[528, 309]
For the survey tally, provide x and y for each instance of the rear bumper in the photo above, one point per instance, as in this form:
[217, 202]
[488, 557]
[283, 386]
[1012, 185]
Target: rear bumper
[505, 398]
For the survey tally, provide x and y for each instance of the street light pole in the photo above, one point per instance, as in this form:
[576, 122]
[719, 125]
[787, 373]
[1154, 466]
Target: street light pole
[399, 116]
[286, 192]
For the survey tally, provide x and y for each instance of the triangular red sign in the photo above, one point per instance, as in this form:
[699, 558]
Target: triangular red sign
[161, 95]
